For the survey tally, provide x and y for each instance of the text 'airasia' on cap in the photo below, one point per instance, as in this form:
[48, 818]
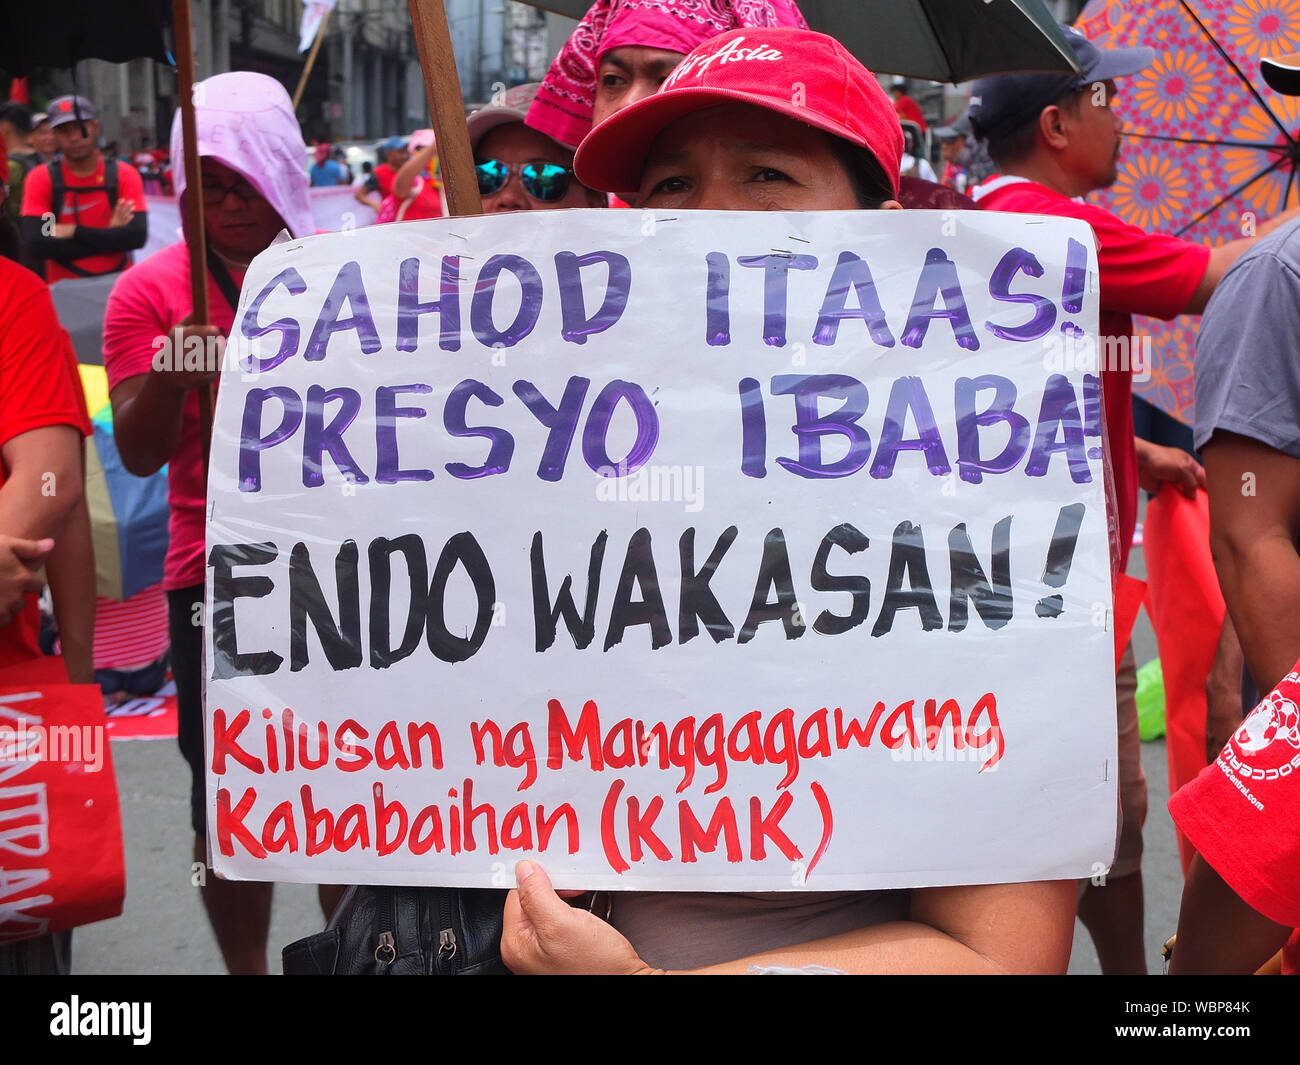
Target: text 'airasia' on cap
[803, 75]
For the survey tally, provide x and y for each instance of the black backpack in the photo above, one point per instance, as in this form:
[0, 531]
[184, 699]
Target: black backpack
[406, 931]
[58, 188]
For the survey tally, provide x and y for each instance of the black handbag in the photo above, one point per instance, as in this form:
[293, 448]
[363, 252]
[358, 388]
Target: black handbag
[406, 931]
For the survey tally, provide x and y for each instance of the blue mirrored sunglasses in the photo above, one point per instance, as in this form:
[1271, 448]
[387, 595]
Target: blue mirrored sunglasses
[547, 182]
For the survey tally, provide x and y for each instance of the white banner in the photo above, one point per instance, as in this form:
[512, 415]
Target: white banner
[682, 550]
[313, 14]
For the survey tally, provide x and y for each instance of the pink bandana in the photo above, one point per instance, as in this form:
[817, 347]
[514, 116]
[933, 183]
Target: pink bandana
[564, 102]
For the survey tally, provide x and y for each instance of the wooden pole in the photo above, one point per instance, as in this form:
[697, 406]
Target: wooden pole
[311, 60]
[195, 238]
[442, 87]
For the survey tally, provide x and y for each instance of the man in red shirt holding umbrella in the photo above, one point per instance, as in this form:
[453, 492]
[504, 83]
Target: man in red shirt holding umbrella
[1054, 139]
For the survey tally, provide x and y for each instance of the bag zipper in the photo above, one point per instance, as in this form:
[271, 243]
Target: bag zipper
[386, 952]
[447, 945]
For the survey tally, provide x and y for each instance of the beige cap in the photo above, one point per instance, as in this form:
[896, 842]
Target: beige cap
[505, 108]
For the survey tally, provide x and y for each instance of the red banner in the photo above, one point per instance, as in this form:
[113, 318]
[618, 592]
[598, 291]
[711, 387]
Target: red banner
[61, 860]
[145, 717]
[1129, 593]
[1186, 609]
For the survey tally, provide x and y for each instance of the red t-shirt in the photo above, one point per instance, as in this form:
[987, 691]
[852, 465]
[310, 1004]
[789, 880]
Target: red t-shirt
[427, 202]
[909, 109]
[1141, 273]
[148, 301]
[39, 387]
[385, 175]
[82, 208]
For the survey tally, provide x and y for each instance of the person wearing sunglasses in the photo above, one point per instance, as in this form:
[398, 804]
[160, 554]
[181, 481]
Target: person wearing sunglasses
[520, 169]
[254, 186]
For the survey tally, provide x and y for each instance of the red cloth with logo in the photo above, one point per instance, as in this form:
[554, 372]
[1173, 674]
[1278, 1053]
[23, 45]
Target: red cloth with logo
[61, 859]
[83, 208]
[148, 301]
[1141, 273]
[1242, 813]
[39, 387]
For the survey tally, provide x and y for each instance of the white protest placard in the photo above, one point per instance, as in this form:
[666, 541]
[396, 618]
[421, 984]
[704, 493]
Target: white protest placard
[720, 551]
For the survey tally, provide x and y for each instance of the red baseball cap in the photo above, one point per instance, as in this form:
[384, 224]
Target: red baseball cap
[803, 75]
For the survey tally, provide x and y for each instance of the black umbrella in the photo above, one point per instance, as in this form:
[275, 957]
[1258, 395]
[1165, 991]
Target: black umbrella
[64, 32]
[938, 40]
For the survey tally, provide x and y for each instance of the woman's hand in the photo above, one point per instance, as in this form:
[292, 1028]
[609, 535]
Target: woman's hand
[1157, 464]
[543, 934]
[172, 369]
[19, 562]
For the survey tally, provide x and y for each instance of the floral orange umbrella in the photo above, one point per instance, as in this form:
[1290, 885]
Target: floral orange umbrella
[1210, 149]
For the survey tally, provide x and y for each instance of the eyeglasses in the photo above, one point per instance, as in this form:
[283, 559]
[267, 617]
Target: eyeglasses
[214, 195]
[547, 182]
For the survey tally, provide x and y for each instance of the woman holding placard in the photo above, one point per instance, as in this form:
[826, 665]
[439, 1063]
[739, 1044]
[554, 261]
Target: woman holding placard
[724, 133]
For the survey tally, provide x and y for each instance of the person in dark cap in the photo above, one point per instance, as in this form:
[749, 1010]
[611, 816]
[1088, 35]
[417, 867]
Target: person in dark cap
[974, 156]
[42, 139]
[1241, 899]
[82, 215]
[951, 146]
[378, 185]
[1055, 138]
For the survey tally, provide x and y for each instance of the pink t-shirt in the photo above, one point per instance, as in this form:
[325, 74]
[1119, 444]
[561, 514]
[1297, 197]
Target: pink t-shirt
[147, 302]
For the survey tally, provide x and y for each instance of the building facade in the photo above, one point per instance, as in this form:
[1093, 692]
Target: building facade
[365, 84]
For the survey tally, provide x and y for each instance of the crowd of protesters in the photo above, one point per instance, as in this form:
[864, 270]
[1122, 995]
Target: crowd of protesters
[617, 122]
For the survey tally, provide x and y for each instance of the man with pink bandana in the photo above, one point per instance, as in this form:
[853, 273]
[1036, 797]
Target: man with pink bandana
[254, 186]
[623, 50]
